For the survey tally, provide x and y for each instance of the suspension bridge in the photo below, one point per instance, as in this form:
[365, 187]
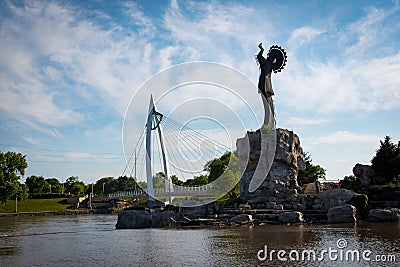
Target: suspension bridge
[167, 150]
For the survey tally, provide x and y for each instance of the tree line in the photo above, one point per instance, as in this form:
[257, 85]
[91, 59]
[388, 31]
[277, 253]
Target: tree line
[386, 163]
[13, 167]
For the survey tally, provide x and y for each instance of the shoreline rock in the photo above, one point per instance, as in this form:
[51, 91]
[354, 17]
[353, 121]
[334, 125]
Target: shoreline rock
[342, 214]
[383, 215]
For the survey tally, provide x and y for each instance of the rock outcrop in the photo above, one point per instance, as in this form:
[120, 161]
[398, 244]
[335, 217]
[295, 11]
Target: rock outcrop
[163, 219]
[366, 175]
[335, 197]
[291, 217]
[287, 161]
[342, 214]
[242, 218]
[383, 215]
[133, 219]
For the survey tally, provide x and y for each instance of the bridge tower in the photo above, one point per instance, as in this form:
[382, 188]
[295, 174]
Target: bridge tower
[154, 123]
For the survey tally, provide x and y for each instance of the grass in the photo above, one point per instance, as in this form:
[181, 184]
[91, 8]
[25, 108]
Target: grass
[36, 205]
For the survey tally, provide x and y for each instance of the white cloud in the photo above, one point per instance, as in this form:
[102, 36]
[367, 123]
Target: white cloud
[369, 31]
[300, 121]
[166, 54]
[362, 77]
[215, 31]
[46, 46]
[345, 137]
[303, 35]
[138, 18]
[79, 155]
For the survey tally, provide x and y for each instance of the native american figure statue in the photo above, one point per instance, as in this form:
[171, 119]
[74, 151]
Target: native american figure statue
[275, 61]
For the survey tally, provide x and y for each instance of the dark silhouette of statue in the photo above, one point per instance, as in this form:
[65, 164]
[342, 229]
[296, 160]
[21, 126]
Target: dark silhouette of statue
[264, 82]
[274, 62]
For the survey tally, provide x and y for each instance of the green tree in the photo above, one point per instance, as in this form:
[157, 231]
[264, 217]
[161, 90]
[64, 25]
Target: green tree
[12, 166]
[78, 189]
[231, 175]
[126, 183]
[159, 181]
[143, 185]
[386, 162]
[196, 181]
[56, 186]
[226, 168]
[37, 185]
[175, 180]
[74, 186]
[109, 184]
[350, 182]
[217, 166]
[312, 172]
[22, 192]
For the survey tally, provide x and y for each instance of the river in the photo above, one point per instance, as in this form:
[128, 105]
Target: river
[91, 240]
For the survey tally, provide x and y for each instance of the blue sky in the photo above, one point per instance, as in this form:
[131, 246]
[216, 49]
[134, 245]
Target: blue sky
[68, 70]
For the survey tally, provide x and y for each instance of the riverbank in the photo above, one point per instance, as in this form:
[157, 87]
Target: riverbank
[46, 213]
[35, 205]
[43, 207]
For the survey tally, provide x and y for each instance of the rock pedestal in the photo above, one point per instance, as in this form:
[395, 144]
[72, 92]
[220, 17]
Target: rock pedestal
[288, 159]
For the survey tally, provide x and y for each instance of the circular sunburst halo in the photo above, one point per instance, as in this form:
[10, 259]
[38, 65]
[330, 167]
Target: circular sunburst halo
[277, 56]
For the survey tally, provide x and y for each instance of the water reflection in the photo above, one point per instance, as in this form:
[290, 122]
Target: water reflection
[93, 240]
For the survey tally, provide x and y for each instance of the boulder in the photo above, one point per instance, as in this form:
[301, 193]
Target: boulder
[291, 217]
[383, 215]
[294, 197]
[342, 214]
[163, 219]
[242, 218]
[298, 206]
[336, 197]
[270, 205]
[257, 200]
[244, 207]
[133, 219]
[278, 207]
[260, 206]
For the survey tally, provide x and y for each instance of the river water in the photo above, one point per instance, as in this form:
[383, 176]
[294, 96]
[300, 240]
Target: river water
[91, 240]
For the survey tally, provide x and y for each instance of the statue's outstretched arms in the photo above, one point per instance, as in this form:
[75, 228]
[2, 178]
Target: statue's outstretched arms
[261, 59]
[261, 50]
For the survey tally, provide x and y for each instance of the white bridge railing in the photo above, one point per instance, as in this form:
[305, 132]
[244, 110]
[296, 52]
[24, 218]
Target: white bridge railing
[177, 191]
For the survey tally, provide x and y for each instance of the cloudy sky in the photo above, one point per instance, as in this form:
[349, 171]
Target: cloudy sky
[68, 70]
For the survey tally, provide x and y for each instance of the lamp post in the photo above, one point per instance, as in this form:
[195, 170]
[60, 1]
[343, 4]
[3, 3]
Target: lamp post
[103, 187]
[90, 198]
